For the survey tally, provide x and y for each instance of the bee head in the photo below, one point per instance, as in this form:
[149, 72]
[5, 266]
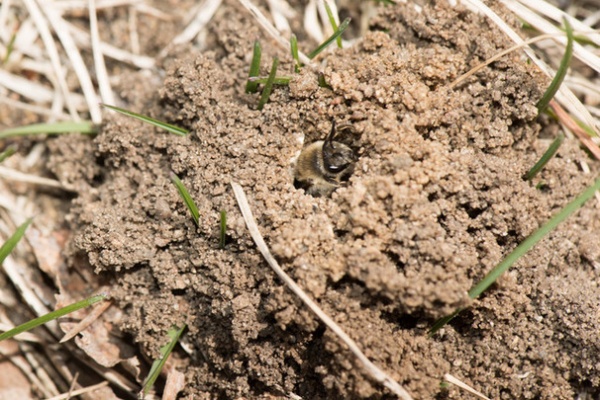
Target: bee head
[338, 158]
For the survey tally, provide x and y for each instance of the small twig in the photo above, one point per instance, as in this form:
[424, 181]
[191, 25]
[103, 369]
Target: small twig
[473, 70]
[455, 381]
[374, 371]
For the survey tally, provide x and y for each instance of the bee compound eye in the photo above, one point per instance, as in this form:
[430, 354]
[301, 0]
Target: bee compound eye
[336, 168]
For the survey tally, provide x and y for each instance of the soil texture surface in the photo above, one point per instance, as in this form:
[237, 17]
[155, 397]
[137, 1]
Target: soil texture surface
[436, 199]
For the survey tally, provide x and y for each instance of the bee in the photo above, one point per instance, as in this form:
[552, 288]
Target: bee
[323, 165]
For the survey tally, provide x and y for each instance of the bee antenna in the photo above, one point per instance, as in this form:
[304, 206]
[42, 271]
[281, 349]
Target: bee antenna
[329, 138]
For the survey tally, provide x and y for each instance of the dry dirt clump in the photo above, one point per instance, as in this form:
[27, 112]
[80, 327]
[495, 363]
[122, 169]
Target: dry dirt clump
[436, 200]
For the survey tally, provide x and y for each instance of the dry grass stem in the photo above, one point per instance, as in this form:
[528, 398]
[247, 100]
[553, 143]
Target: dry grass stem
[203, 15]
[83, 40]
[550, 11]
[33, 108]
[311, 22]
[281, 11]
[272, 31]
[570, 124]
[134, 37]
[87, 321]
[327, 28]
[41, 366]
[26, 88]
[15, 175]
[147, 9]
[583, 54]
[81, 70]
[375, 372]
[498, 56]
[79, 392]
[18, 275]
[106, 93]
[21, 337]
[455, 381]
[52, 51]
[82, 5]
[28, 370]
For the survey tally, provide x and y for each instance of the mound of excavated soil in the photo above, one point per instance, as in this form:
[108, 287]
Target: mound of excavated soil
[436, 200]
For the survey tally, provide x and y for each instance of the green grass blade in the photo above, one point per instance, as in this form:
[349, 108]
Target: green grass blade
[322, 82]
[223, 233]
[562, 70]
[279, 80]
[52, 316]
[334, 24]
[269, 85]
[252, 87]
[523, 248]
[9, 47]
[295, 56]
[12, 241]
[585, 41]
[187, 199]
[588, 129]
[86, 127]
[439, 324]
[174, 334]
[331, 38]
[552, 149]
[159, 124]
[7, 153]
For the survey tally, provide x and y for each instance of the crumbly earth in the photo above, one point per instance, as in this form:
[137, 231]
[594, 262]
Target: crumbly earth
[437, 199]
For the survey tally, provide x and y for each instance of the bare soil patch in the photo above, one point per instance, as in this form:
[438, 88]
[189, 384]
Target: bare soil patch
[436, 200]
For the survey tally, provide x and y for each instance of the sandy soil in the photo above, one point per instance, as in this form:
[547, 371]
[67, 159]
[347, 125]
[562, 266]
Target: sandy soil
[436, 200]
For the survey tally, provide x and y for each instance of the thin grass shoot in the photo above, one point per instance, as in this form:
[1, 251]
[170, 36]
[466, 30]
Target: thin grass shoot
[159, 124]
[252, 87]
[84, 127]
[187, 199]
[174, 334]
[560, 73]
[223, 229]
[12, 241]
[323, 82]
[334, 24]
[279, 80]
[10, 47]
[521, 249]
[343, 26]
[586, 128]
[61, 312]
[268, 85]
[7, 153]
[547, 156]
[294, 50]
